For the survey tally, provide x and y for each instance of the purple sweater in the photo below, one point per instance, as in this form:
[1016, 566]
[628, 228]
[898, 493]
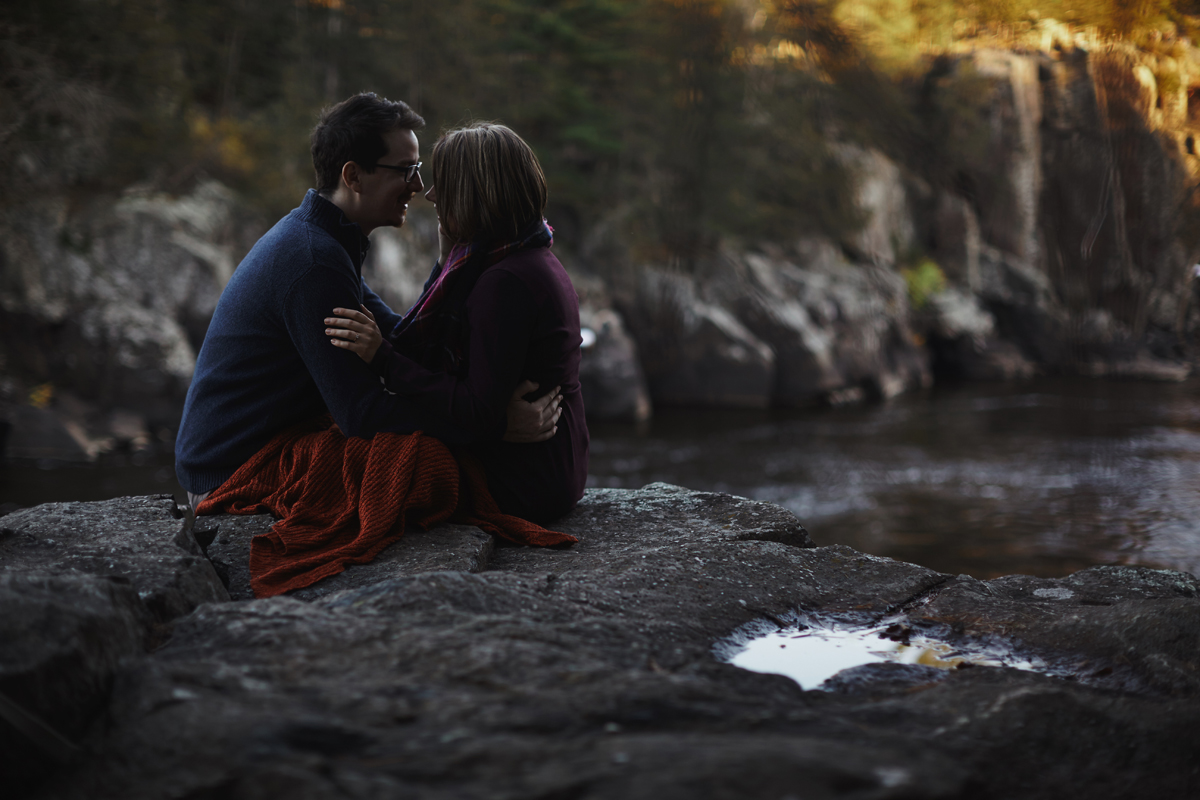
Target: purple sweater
[523, 322]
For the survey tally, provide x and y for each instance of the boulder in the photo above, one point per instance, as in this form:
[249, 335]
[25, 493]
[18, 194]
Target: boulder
[961, 336]
[84, 586]
[610, 373]
[839, 331]
[1023, 304]
[598, 671]
[111, 298]
[694, 350]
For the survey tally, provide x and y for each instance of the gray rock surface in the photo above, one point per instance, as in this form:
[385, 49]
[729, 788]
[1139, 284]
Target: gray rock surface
[610, 372]
[880, 194]
[146, 540]
[840, 331]
[592, 672]
[83, 586]
[62, 637]
[458, 548]
[694, 350]
[956, 241]
[776, 328]
[111, 298]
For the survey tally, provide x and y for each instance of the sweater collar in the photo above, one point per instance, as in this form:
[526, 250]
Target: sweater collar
[332, 220]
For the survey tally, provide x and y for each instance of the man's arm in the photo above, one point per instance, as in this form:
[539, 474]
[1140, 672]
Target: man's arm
[353, 395]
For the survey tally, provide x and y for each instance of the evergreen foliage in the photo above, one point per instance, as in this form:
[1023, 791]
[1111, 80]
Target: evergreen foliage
[682, 120]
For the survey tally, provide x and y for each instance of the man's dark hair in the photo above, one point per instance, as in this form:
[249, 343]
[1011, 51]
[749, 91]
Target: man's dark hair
[353, 130]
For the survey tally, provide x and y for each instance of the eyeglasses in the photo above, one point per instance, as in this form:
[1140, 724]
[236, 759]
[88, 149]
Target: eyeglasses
[409, 170]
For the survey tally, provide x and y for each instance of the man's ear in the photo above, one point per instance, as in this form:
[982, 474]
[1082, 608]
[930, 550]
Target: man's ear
[352, 177]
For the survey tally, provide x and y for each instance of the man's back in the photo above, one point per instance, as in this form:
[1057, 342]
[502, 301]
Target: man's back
[266, 363]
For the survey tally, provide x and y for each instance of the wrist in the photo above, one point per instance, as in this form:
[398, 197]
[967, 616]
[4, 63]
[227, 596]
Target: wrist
[378, 361]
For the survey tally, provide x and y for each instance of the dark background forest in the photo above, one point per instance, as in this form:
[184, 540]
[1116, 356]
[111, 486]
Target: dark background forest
[683, 121]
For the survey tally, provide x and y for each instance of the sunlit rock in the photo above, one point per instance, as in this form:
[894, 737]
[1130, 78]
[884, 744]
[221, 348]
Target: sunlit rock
[880, 194]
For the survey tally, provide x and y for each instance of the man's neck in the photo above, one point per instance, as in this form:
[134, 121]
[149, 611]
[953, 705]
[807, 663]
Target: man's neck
[346, 204]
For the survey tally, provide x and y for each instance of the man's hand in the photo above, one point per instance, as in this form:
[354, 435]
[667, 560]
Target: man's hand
[355, 331]
[536, 421]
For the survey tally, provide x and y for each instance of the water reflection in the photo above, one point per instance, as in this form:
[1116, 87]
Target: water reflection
[116, 475]
[1041, 478]
[812, 653]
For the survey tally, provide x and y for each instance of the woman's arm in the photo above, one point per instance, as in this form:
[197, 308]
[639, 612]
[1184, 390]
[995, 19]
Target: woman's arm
[526, 421]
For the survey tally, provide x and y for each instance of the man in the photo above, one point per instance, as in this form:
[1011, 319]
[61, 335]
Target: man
[266, 363]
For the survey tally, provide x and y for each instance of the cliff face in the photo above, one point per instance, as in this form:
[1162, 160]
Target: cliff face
[1085, 207]
[1060, 215]
[447, 668]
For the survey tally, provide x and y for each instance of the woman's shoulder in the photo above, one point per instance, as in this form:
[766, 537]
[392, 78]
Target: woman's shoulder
[532, 258]
[535, 267]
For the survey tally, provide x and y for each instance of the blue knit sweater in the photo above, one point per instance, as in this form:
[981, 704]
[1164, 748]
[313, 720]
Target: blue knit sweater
[266, 363]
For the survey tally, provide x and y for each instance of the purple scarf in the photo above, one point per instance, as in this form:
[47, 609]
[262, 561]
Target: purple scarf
[431, 333]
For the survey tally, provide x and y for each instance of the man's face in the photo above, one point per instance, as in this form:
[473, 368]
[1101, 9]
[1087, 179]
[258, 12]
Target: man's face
[385, 194]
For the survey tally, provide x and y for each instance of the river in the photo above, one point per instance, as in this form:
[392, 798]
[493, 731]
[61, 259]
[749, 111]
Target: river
[1043, 477]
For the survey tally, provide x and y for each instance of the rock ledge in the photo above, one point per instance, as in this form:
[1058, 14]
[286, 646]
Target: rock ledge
[581, 673]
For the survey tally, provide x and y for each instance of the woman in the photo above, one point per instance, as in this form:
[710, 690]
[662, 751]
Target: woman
[497, 309]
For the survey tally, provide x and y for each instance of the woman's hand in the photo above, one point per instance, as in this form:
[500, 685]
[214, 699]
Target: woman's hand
[355, 331]
[536, 421]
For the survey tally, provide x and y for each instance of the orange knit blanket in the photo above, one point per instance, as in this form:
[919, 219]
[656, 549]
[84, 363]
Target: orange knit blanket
[341, 501]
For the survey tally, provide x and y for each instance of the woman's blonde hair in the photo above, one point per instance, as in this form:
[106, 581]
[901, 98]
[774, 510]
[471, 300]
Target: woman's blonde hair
[489, 182]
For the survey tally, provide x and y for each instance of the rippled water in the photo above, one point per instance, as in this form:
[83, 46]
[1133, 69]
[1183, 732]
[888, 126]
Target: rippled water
[1041, 478]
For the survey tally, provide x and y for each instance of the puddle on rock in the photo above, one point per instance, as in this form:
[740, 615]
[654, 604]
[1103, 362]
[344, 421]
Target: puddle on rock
[812, 653]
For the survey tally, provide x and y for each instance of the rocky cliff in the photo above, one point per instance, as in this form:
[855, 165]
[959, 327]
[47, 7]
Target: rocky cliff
[1053, 228]
[134, 665]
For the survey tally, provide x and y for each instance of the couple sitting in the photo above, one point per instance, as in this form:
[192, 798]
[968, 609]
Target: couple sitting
[486, 361]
